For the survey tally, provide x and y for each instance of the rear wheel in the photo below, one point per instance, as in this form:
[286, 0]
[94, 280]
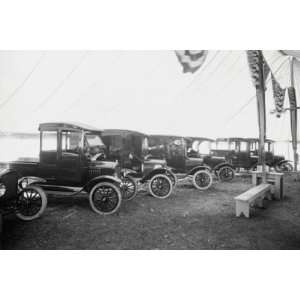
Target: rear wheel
[105, 198]
[128, 188]
[31, 203]
[202, 180]
[160, 186]
[226, 173]
[284, 167]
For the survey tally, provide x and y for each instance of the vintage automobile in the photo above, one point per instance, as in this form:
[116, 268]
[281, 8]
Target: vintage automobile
[224, 170]
[243, 153]
[71, 160]
[130, 149]
[27, 203]
[183, 164]
[278, 162]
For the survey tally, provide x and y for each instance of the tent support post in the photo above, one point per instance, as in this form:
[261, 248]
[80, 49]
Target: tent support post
[261, 109]
[293, 112]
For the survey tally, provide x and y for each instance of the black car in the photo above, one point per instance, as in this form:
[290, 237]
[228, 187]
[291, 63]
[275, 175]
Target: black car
[71, 160]
[174, 150]
[130, 149]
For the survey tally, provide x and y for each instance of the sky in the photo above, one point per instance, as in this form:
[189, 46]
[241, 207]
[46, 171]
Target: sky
[138, 90]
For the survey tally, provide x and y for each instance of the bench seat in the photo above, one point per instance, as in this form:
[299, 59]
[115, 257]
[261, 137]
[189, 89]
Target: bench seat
[253, 196]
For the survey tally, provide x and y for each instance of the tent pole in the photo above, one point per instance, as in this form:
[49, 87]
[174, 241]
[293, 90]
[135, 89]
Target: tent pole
[261, 108]
[293, 112]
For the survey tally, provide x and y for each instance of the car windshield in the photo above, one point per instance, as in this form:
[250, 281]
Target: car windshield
[222, 145]
[94, 140]
[243, 146]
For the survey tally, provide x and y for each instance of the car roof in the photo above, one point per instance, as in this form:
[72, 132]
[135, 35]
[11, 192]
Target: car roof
[165, 136]
[121, 132]
[257, 140]
[195, 138]
[231, 139]
[66, 126]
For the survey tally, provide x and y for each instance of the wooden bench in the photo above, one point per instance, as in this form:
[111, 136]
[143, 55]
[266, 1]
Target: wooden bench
[252, 197]
[276, 179]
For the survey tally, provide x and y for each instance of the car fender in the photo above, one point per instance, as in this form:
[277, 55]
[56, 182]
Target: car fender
[198, 168]
[125, 172]
[284, 161]
[224, 164]
[102, 178]
[154, 172]
[30, 180]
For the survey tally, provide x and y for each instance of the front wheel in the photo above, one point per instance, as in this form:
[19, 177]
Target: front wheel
[226, 173]
[129, 188]
[105, 198]
[202, 180]
[160, 186]
[31, 203]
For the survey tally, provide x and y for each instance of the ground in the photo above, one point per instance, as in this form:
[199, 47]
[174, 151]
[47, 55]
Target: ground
[189, 219]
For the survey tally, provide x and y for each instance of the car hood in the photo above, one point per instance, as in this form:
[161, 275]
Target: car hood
[103, 164]
[161, 162]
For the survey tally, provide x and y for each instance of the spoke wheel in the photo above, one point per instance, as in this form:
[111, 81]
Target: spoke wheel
[202, 180]
[285, 167]
[160, 186]
[105, 198]
[31, 203]
[172, 177]
[128, 188]
[226, 174]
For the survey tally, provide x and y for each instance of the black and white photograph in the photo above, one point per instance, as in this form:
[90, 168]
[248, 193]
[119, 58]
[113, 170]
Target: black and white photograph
[132, 168]
[135, 150]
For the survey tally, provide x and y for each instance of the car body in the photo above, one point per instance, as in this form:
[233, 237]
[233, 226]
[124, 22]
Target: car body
[243, 153]
[130, 149]
[72, 159]
[223, 169]
[174, 150]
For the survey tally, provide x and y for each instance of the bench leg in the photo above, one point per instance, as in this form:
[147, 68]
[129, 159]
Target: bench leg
[242, 208]
[269, 196]
[260, 202]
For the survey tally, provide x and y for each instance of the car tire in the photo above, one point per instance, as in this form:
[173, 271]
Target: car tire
[226, 174]
[31, 203]
[160, 186]
[129, 188]
[105, 206]
[285, 167]
[202, 180]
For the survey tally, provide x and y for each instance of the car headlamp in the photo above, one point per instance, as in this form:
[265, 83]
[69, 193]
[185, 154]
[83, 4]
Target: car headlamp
[24, 183]
[2, 189]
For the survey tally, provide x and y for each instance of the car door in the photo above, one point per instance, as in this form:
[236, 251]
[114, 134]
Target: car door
[48, 168]
[70, 158]
[177, 155]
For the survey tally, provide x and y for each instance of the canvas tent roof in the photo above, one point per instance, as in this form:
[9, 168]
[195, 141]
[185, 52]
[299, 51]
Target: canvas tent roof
[138, 90]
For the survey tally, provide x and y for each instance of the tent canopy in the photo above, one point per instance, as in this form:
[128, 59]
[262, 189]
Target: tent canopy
[138, 90]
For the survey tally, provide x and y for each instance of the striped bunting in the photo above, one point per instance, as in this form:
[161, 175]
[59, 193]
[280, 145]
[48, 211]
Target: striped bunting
[191, 60]
[293, 114]
[254, 57]
[279, 95]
